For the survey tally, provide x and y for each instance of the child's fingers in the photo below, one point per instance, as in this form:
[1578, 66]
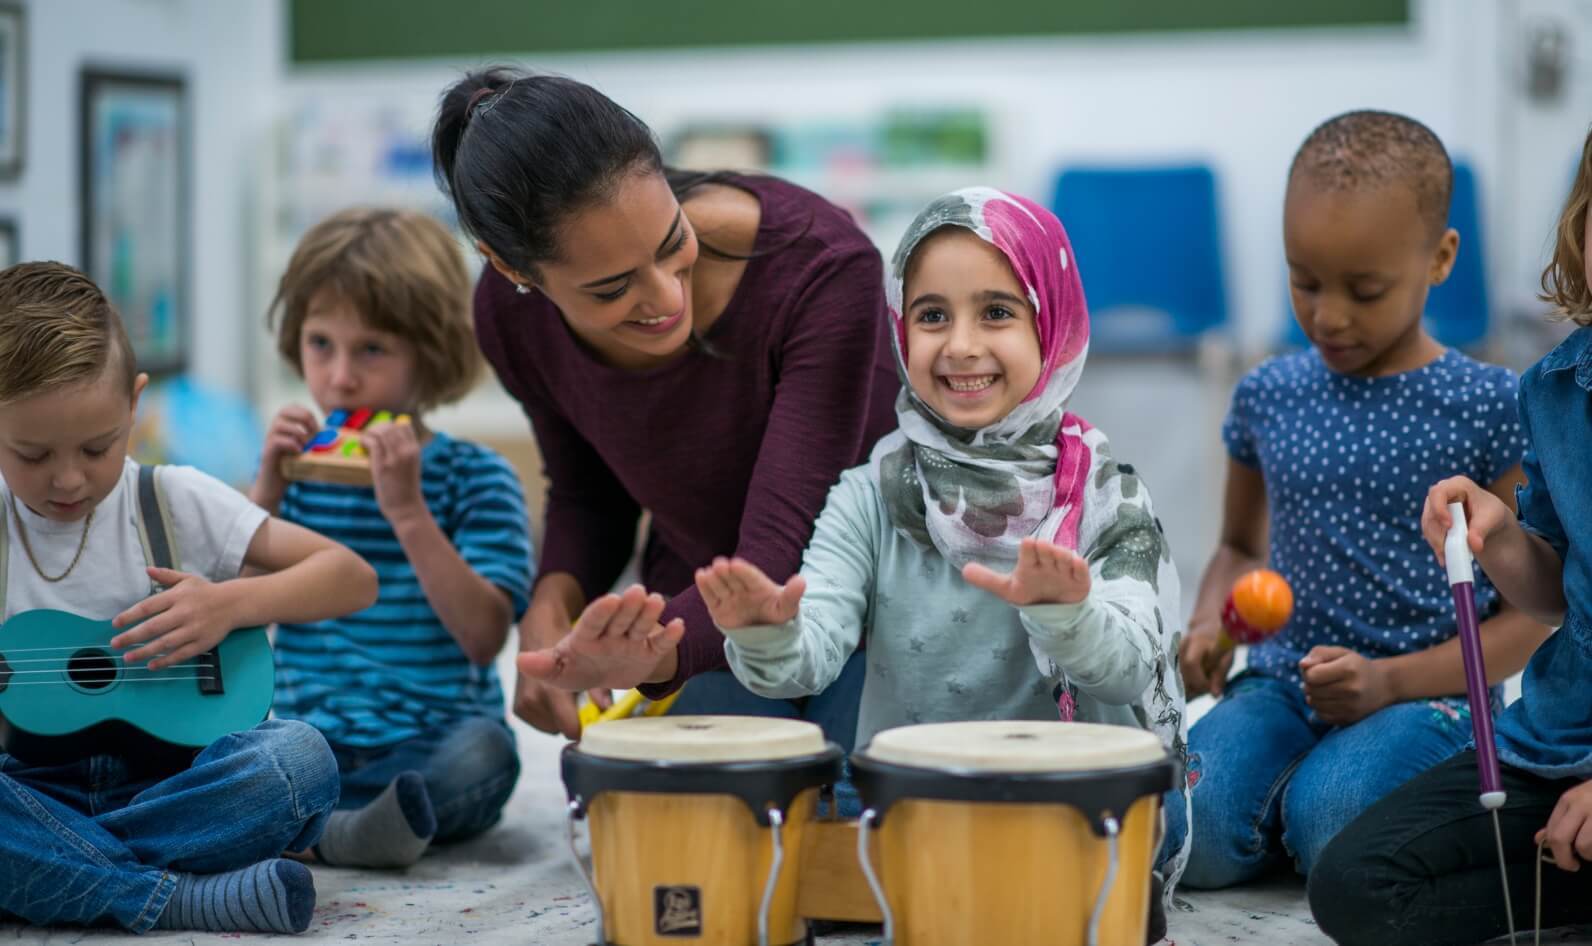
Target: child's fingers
[711, 587]
[600, 697]
[1028, 554]
[166, 576]
[142, 611]
[165, 642]
[1077, 568]
[981, 576]
[1218, 679]
[667, 637]
[187, 651]
[1327, 673]
[748, 577]
[790, 596]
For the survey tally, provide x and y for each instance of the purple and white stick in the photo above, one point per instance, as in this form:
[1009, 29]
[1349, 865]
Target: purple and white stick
[1462, 579]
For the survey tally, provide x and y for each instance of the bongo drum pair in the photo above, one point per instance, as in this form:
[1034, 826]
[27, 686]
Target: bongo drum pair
[1012, 832]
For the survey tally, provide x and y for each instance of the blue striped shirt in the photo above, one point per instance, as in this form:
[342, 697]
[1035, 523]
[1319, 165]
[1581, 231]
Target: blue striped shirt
[392, 671]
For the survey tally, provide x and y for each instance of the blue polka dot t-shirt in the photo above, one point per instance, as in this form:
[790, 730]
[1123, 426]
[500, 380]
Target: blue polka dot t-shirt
[1347, 463]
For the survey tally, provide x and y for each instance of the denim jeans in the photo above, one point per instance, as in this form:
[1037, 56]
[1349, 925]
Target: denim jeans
[718, 693]
[1421, 865]
[94, 841]
[1268, 779]
[469, 769]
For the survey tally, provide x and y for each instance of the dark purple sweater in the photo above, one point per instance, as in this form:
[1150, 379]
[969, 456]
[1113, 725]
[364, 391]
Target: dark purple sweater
[731, 455]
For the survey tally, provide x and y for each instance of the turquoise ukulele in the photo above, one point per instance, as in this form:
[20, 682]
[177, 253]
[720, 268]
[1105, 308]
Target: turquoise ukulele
[66, 694]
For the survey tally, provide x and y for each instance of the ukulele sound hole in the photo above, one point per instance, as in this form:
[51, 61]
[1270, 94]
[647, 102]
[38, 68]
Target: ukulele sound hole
[91, 669]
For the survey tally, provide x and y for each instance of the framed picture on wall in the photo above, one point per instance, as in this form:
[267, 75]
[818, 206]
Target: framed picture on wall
[10, 245]
[13, 79]
[134, 232]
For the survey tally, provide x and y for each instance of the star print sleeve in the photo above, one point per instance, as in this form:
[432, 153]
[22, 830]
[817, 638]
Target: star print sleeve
[1108, 644]
[803, 657]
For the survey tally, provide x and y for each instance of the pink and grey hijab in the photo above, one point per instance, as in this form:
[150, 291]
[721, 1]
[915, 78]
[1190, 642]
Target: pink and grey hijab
[974, 495]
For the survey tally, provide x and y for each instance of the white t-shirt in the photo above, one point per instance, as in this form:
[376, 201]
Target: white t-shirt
[213, 525]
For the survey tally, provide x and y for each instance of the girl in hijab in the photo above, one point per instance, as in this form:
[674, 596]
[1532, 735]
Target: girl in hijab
[1001, 564]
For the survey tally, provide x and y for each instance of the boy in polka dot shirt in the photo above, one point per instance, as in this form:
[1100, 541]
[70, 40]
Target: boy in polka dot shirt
[1332, 451]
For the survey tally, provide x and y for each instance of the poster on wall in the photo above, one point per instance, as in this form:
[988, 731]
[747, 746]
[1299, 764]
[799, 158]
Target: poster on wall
[134, 204]
[13, 73]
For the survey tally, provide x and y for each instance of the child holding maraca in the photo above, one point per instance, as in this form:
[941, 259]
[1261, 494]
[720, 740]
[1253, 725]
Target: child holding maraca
[1331, 451]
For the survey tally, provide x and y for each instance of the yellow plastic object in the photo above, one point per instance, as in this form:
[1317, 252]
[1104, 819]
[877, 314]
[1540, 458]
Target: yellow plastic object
[624, 707]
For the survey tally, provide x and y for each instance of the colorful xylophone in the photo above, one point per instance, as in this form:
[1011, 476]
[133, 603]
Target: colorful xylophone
[336, 454]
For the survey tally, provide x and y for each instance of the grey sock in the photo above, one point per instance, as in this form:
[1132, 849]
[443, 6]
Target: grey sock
[275, 896]
[392, 831]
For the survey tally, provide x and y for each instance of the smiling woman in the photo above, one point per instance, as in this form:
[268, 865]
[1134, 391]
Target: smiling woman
[708, 347]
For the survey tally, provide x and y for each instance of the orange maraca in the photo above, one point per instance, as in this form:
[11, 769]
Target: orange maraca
[1258, 606]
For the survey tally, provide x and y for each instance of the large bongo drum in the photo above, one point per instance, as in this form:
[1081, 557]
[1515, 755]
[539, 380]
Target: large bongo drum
[696, 826]
[1019, 832]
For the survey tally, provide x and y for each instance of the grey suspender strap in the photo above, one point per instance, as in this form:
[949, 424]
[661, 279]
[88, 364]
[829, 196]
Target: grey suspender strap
[154, 525]
[154, 520]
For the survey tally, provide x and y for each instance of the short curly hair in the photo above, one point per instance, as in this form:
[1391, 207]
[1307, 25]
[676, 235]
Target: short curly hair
[1369, 149]
[403, 273]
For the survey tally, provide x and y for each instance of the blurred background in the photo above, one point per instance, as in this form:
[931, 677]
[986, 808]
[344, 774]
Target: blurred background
[177, 148]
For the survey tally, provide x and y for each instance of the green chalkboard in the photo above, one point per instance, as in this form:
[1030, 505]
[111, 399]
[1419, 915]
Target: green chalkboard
[343, 30]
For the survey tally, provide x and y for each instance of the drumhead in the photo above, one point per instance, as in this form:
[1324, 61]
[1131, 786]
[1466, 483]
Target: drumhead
[702, 739]
[1016, 746]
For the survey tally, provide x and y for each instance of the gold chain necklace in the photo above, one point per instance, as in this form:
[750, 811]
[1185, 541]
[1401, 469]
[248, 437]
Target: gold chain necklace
[22, 530]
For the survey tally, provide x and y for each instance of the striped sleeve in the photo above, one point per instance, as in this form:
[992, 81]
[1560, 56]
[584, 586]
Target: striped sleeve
[491, 528]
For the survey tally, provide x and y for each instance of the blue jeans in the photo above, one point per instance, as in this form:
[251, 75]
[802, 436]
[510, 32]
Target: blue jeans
[718, 693]
[92, 841]
[1176, 829]
[470, 771]
[1268, 779]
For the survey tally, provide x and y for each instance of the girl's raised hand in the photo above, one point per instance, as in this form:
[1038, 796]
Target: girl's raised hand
[739, 595]
[1485, 514]
[1045, 574]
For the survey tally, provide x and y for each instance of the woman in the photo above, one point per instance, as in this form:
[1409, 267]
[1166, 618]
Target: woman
[707, 347]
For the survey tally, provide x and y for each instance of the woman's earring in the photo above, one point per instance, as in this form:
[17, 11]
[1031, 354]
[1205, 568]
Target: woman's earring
[522, 289]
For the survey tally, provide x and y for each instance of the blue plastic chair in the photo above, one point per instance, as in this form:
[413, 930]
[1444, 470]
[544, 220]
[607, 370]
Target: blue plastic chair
[1148, 242]
[1457, 312]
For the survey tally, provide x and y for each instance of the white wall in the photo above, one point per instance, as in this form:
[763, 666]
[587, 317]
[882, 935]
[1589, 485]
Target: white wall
[229, 52]
[1241, 102]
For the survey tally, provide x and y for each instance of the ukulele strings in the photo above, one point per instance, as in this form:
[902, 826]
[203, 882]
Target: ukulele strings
[51, 662]
[55, 666]
[129, 680]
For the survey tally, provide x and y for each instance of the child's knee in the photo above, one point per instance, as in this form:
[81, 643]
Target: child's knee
[301, 759]
[1348, 905]
[479, 759]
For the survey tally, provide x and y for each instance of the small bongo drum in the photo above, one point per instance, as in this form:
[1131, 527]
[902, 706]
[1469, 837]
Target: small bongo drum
[696, 826]
[1011, 832]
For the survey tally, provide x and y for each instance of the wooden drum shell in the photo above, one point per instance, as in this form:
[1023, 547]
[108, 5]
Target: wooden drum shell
[958, 872]
[643, 842]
